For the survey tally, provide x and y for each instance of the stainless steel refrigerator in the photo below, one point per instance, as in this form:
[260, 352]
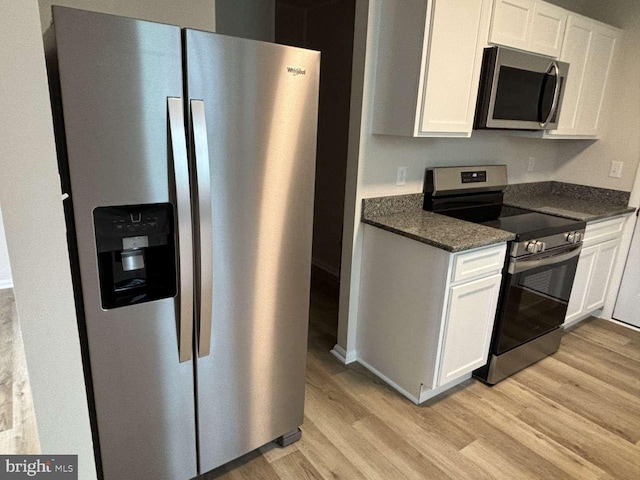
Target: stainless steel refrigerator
[189, 158]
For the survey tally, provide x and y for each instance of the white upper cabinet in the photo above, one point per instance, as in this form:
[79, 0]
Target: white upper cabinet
[547, 33]
[428, 66]
[529, 25]
[589, 47]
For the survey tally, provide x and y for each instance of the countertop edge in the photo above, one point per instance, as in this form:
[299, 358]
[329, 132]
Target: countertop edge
[585, 217]
[434, 243]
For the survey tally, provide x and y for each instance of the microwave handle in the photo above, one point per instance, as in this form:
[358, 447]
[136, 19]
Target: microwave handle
[556, 94]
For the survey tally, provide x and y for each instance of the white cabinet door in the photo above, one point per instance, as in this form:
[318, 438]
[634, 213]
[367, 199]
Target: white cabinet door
[581, 282]
[547, 32]
[512, 22]
[468, 327]
[429, 57]
[596, 75]
[453, 66]
[589, 48]
[607, 253]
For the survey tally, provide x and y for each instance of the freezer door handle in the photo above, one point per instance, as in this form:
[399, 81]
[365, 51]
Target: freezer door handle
[178, 140]
[205, 240]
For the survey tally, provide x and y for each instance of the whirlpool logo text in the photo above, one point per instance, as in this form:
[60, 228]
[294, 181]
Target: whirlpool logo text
[296, 71]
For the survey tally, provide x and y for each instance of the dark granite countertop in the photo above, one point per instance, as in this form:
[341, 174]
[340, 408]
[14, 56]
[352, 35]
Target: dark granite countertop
[576, 202]
[403, 215]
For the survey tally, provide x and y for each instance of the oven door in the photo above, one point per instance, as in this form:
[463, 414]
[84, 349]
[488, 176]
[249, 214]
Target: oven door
[535, 296]
[520, 90]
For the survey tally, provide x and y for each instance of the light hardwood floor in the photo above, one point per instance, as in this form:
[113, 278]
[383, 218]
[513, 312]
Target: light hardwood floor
[18, 431]
[575, 415]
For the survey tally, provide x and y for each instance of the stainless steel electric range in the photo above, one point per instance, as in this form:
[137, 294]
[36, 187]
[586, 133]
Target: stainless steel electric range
[539, 269]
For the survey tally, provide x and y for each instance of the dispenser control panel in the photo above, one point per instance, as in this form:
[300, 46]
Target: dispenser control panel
[136, 253]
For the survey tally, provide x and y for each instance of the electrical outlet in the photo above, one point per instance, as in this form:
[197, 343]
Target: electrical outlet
[401, 176]
[616, 169]
[532, 164]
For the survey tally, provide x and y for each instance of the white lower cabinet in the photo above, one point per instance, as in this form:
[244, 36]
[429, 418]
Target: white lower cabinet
[468, 326]
[425, 315]
[595, 266]
[581, 282]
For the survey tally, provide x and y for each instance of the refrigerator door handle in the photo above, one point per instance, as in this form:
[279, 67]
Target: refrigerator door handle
[203, 178]
[178, 141]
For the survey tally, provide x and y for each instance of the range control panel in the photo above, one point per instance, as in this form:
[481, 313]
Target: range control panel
[478, 176]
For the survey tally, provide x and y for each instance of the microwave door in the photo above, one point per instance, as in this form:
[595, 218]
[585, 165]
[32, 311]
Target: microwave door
[519, 90]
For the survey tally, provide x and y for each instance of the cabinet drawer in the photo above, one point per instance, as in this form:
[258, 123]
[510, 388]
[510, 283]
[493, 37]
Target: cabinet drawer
[598, 232]
[478, 263]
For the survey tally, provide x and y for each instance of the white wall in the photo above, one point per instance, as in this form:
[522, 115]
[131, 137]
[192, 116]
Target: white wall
[198, 14]
[34, 222]
[5, 267]
[377, 157]
[621, 138]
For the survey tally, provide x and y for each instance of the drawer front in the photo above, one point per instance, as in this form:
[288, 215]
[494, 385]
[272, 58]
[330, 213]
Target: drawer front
[601, 231]
[478, 263]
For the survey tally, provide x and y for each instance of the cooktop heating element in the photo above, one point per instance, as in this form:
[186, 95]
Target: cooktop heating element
[539, 270]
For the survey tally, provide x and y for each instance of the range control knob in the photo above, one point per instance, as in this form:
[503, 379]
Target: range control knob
[532, 247]
[540, 246]
[571, 237]
[579, 237]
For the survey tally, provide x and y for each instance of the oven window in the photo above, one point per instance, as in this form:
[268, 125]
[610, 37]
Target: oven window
[534, 302]
[523, 95]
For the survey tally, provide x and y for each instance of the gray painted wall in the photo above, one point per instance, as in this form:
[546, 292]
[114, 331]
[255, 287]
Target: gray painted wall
[36, 237]
[33, 215]
[254, 19]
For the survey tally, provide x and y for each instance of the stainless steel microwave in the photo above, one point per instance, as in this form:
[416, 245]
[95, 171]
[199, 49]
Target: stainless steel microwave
[519, 91]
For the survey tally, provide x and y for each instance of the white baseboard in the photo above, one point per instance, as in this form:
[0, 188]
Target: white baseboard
[6, 283]
[622, 324]
[342, 355]
[388, 381]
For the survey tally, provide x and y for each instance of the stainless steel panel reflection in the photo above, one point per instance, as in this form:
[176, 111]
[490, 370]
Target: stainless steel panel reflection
[261, 114]
[116, 75]
[505, 365]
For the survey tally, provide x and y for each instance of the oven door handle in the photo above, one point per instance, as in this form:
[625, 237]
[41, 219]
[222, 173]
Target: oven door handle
[519, 265]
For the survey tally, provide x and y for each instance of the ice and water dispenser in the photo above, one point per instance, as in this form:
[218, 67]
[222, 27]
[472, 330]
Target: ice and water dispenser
[136, 253]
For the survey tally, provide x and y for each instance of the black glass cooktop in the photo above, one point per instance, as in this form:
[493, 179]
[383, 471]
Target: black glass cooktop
[528, 225]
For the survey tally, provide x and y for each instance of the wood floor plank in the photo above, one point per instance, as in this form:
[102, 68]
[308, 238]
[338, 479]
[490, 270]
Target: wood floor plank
[7, 313]
[601, 403]
[496, 436]
[23, 437]
[601, 366]
[585, 438]
[295, 466]
[609, 335]
[493, 458]
[569, 462]
[411, 462]
[326, 458]
[370, 461]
